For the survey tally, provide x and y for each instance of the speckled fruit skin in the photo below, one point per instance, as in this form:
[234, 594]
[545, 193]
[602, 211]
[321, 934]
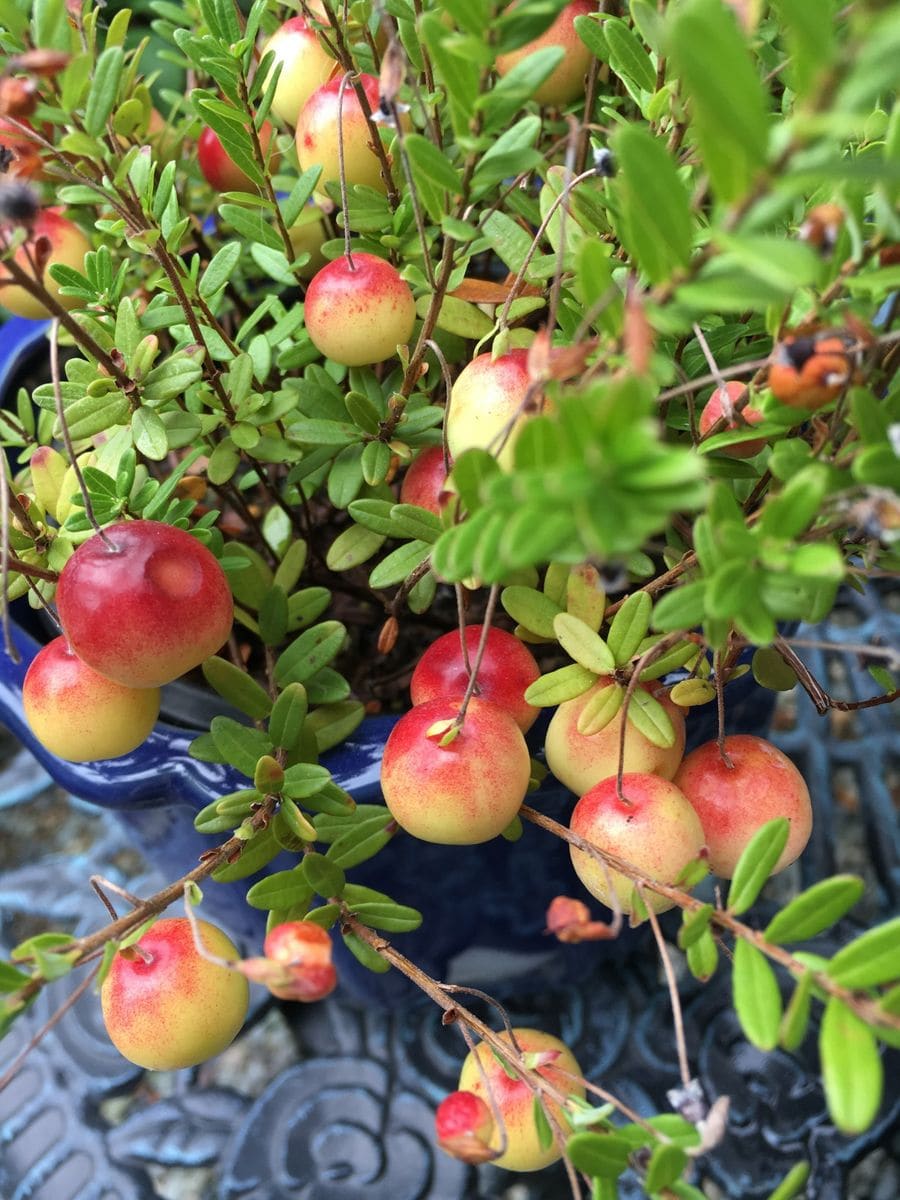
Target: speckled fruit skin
[425, 480]
[515, 1099]
[566, 82]
[81, 716]
[733, 803]
[220, 171]
[485, 398]
[317, 135]
[68, 248]
[461, 794]
[580, 762]
[176, 1010]
[305, 949]
[507, 668]
[306, 65]
[712, 411]
[359, 316]
[148, 611]
[657, 831]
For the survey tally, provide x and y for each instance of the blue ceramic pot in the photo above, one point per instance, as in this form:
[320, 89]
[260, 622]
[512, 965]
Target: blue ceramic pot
[483, 906]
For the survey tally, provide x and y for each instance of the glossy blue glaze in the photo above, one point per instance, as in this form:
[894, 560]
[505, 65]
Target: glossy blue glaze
[477, 900]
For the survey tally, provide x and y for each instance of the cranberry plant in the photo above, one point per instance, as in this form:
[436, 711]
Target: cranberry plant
[555, 235]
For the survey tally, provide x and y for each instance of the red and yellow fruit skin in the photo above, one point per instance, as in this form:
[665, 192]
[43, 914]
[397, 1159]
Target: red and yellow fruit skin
[732, 803]
[306, 65]
[507, 668]
[580, 762]
[653, 827]
[219, 169]
[81, 716]
[425, 480]
[177, 1010]
[463, 793]
[317, 134]
[359, 316]
[305, 950]
[147, 610]
[809, 372]
[487, 396]
[515, 1099]
[68, 246]
[714, 409]
[566, 82]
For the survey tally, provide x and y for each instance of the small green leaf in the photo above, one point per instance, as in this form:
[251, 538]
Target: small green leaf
[237, 687]
[852, 1071]
[287, 716]
[324, 915]
[757, 999]
[703, 956]
[600, 709]
[238, 744]
[104, 89]
[11, 979]
[304, 780]
[598, 1154]
[531, 608]
[667, 1162]
[324, 876]
[581, 643]
[655, 217]
[558, 686]
[581, 590]
[682, 608]
[728, 105]
[362, 840]
[399, 564]
[815, 909]
[793, 1183]
[693, 925]
[771, 671]
[297, 824]
[541, 1124]
[649, 717]
[284, 889]
[869, 960]
[629, 627]
[387, 915]
[796, 1016]
[309, 652]
[755, 865]
[364, 953]
[256, 854]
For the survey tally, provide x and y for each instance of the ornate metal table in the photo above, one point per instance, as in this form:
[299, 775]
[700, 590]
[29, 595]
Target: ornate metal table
[333, 1102]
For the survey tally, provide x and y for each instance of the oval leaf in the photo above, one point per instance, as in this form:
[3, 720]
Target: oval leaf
[852, 1073]
[649, 717]
[629, 627]
[600, 709]
[755, 864]
[558, 686]
[757, 999]
[581, 643]
[531, 608]
[815, 909]
[870, 959]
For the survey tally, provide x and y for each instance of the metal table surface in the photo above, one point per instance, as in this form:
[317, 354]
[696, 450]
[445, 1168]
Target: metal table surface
[331, 1102]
